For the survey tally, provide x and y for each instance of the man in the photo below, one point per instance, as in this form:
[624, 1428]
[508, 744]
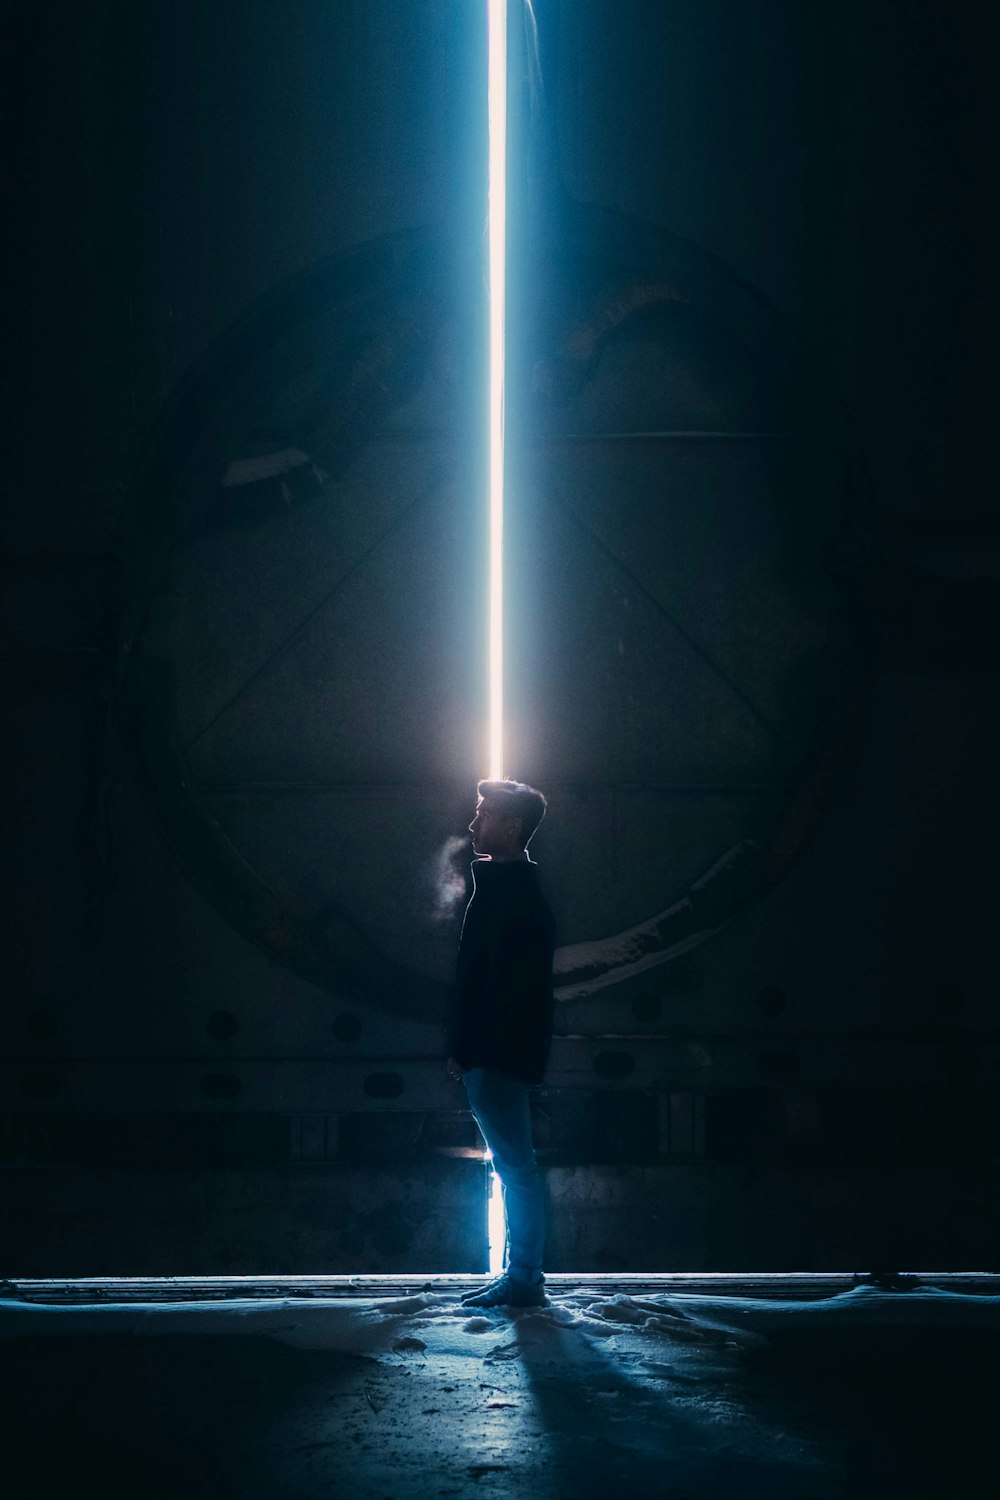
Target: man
[501, 1024]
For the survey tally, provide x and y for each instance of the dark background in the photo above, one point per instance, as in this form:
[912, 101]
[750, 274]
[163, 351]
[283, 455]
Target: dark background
[186, 1087]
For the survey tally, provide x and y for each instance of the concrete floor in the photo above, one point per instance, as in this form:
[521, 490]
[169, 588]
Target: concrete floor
[860, 1394]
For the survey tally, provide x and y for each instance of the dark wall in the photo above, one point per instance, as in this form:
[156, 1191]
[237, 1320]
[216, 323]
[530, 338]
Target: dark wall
[237, 231]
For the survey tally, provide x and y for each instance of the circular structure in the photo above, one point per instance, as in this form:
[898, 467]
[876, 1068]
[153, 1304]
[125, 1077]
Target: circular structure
[304, 664]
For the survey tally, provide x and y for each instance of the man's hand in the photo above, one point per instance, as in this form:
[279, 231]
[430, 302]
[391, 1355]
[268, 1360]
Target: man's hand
[455, 1070]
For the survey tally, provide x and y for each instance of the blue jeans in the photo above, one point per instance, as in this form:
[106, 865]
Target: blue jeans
[500, 1105]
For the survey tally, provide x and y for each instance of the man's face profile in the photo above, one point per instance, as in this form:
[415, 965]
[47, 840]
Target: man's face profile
[494, 833]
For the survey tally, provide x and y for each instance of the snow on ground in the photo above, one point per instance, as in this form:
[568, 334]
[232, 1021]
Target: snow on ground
[863, 1393]
[437, 1323]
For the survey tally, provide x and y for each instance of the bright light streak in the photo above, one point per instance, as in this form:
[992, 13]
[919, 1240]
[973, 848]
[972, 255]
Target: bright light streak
[496, 1223]
[497, 226]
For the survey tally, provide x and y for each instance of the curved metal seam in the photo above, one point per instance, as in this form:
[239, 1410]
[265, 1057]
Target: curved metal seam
[658, 604]
[308, 619]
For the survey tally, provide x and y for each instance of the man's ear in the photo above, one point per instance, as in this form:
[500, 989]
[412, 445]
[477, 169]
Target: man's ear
[517, 829]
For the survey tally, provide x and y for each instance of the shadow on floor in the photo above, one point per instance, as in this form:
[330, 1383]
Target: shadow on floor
[540, 1413]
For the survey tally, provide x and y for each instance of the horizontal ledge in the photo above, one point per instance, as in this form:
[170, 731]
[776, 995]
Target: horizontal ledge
[545, 439]
[324, 787]
[787, 1285]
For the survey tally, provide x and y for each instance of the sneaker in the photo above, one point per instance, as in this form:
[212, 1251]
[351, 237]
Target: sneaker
[479, 1290]
[507, 1291]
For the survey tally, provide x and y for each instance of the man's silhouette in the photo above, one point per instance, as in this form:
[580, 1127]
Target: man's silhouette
[501, 1024]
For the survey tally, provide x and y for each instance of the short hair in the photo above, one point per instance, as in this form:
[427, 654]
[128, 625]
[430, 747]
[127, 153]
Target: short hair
[518, 799]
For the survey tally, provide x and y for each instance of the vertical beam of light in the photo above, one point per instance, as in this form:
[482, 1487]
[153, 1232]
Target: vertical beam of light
[497, 227]
[496, 1221]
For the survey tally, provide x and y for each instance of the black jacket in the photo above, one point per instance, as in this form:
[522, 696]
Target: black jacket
[502, 1012]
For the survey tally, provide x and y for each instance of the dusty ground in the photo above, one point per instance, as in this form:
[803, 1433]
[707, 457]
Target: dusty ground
[429, 1402]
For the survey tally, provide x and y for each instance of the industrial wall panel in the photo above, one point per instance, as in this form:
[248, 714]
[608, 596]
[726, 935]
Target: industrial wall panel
[310, 1219]
[324, 1085]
